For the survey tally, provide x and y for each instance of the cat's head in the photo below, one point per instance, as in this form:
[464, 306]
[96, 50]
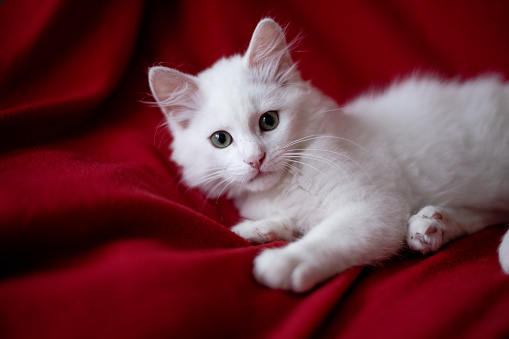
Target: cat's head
[233, 123]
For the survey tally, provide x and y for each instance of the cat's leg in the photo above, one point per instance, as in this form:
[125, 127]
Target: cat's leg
[265, 230]
[348, 238]
[433, 227]
[503, 253]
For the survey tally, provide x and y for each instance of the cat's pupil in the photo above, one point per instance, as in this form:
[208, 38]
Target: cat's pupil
[268, 120]
[221, 138]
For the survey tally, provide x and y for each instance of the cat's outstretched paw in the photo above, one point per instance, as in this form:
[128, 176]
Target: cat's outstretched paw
[285, 269]
[426, 230]
[262, 231]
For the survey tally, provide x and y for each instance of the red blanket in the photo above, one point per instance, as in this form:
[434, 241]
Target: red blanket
[99, 239]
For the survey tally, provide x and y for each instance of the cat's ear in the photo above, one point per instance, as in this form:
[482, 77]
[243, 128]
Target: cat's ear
[176, 94]
[269, 54]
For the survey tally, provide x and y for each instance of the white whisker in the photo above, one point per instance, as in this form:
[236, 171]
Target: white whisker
[162, 127]
[213, 175]
[314, 137]
[292, 159]
[330, 161]
[331, 110]
[294, 170]
[341, 155]
[224, 188]
[215, 187]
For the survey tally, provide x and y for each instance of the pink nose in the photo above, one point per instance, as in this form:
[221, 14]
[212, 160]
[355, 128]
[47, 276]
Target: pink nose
[257, 163]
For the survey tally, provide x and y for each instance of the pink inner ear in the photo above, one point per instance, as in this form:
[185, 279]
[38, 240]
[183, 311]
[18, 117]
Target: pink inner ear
[175, 93]
[268, 47]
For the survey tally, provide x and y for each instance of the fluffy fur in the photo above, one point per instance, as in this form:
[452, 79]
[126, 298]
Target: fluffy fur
[421, 163]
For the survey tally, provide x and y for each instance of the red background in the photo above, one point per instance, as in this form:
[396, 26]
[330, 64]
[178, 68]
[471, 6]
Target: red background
[98, 238]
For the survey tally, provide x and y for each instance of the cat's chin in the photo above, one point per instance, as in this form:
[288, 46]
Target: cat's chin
[262, 181]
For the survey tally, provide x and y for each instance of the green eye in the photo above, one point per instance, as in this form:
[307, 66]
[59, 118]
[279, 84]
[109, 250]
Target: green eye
[269, 120]
[221, 139]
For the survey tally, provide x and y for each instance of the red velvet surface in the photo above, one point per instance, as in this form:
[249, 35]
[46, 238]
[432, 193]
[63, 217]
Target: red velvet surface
[98, 239]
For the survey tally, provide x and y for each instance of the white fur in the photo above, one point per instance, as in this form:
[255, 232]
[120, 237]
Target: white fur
[424, 162]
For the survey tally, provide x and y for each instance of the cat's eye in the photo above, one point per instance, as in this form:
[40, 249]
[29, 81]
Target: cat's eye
[221, 139]
[269, 120]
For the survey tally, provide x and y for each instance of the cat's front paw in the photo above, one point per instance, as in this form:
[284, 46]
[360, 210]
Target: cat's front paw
[254, 232]
[426, 230]
[283, 268]
[264, 231]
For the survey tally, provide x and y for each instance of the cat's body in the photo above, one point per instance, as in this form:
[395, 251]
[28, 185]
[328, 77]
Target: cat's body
[424, 162]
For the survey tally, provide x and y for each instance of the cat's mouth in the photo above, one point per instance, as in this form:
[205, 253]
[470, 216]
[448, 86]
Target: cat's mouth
[260, 176]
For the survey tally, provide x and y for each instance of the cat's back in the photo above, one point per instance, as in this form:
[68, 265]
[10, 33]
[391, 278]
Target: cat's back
[441, 134]
[426, 99]
[423, 113]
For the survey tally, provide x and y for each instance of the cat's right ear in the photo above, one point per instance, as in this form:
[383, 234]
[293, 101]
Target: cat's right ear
[176, 94]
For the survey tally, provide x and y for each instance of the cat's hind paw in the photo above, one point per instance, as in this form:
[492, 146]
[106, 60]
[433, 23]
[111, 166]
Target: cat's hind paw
[426, 230]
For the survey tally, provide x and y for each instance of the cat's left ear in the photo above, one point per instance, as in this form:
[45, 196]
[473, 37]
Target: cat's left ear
[269, 54]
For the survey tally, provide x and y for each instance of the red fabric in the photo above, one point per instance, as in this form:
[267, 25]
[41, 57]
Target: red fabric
[98, 239]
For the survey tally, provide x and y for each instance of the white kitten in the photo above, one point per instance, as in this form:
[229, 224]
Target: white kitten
[425, 162]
